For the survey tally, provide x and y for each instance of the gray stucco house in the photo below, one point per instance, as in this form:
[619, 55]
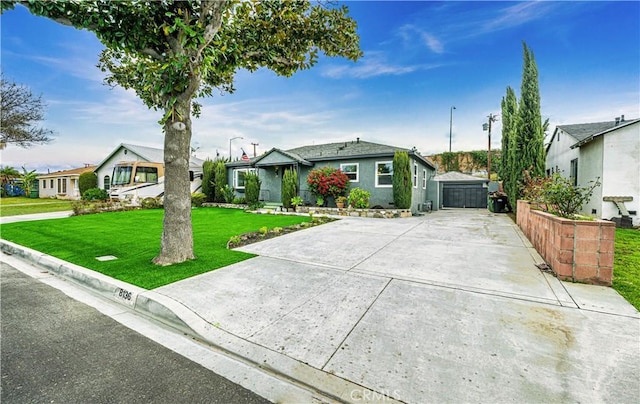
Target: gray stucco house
[368, 166]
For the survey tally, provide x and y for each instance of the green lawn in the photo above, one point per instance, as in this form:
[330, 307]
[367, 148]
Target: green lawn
[626, 266]
[134, 237]
[19, 205]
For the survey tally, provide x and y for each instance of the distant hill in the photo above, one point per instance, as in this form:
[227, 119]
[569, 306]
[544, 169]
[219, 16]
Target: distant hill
[468, 162]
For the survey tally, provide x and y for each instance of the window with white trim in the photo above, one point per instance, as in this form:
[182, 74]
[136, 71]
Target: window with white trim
[424, 178]
[415, 175]
[384, 174]
[238, 177]
[352, 170]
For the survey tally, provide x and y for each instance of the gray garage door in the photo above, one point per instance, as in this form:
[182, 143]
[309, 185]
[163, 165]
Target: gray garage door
[464, 196]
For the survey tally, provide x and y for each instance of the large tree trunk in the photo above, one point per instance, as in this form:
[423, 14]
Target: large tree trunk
[177, 233]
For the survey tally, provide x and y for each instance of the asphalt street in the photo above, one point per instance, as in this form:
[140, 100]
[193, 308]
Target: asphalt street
[56, 349]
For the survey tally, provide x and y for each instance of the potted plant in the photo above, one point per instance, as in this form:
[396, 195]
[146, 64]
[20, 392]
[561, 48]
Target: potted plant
[340, 201]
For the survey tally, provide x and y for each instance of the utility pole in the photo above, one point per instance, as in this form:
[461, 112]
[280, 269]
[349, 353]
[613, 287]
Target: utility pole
[450, 125]
[254, 148]
[492, 118]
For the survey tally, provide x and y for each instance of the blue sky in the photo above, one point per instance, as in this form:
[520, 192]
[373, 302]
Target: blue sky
[420, 58]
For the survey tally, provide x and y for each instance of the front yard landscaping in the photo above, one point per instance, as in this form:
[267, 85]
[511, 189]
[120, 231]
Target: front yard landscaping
[134, 238]
[18, 205]
[626, 266]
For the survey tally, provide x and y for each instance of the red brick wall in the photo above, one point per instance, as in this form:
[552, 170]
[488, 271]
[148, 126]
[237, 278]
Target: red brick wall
[576, 250]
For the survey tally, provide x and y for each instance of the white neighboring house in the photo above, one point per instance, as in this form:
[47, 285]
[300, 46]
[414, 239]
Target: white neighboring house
[608, 151]
[125, 152]
[62, 184]
[140, 172]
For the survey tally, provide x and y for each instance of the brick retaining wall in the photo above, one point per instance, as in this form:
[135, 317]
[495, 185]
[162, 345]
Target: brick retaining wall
[576, 250]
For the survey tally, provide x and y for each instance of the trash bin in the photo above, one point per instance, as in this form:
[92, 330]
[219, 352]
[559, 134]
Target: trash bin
[499, 204]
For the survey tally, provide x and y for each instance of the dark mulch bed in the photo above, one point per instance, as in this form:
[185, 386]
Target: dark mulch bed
[264, 234]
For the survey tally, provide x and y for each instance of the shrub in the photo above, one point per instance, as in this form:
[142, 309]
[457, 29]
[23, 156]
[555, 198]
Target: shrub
[556, 194]
[95, 194]
[359, 198]
[328, 181]
[296, 201]
[197, 199]
[239, 201]
[220, 178]
[208, 180]
[289, 187]
[401, 180]
[151, 203]
[87, 181]
[564, 199]
[228, 195]
[252, 188]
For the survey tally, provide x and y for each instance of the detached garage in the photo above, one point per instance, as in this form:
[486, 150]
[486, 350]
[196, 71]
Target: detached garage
[457, 190]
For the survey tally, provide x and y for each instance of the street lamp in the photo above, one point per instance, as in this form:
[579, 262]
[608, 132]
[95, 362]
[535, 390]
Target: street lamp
[233, 138]
[487, 126]
[450, 125]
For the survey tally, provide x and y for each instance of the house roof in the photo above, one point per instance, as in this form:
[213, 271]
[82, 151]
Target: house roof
[603, 130]
[345, 150]
[66, 173]
[306, 155]
[455, 176]
[582, 131]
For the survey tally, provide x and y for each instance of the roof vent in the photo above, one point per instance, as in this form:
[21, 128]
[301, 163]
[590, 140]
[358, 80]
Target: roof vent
[621, 118]
[357, 140]
[617, 120]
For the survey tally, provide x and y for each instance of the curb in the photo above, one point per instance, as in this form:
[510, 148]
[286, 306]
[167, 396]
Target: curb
[323, 387]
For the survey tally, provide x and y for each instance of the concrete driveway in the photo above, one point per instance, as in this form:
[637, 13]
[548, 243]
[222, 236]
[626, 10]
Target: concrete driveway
[448, 307]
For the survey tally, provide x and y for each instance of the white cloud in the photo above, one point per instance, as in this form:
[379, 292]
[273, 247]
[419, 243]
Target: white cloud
[409, 32]
[373, 64]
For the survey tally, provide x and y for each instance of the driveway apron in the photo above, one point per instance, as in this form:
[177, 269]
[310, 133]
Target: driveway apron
[448, 307]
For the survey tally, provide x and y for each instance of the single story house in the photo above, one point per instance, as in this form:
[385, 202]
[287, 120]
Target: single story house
[62, 184]
[368, 166]
[608, 152]
[458, 190]
[128, 153]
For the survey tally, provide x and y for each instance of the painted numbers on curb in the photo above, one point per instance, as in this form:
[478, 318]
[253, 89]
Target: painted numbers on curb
[125, 296]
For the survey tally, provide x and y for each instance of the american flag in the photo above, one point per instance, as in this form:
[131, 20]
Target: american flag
[244, 156]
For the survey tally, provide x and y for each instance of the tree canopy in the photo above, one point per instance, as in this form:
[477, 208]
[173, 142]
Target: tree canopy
[20, 112]
[170, 52]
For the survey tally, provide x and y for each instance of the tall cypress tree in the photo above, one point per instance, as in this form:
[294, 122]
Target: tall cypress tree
[530, 126]
[509, 146]
[509, 116]
[526, 141]
[401, 180]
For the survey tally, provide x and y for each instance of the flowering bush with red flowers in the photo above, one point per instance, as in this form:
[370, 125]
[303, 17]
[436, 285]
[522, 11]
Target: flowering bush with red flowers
[328, 181]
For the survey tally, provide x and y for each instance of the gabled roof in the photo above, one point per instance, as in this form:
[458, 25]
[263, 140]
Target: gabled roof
[293, 156]
[603, 131]
[73, 171]
[582, 131]
[455, 176]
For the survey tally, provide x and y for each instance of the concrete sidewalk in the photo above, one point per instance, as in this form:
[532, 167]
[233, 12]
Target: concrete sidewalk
[448, 307]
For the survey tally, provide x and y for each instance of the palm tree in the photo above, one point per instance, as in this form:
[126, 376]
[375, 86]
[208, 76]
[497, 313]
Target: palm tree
[7, 174]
